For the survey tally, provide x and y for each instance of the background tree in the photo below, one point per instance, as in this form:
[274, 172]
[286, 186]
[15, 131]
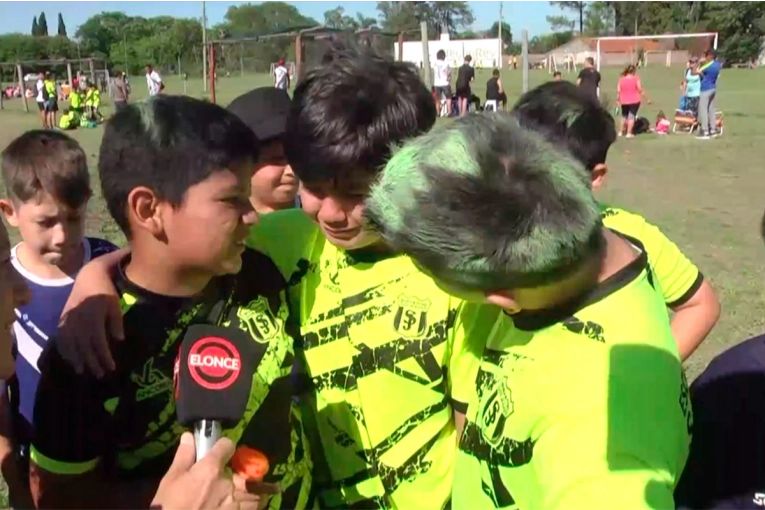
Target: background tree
[336, 18]
[404, 16]
[365, 22]
[563, 22]
[42, 24]
[35, 27]
[507, 36]
[598, 19]
[741, 28]
[61, 26]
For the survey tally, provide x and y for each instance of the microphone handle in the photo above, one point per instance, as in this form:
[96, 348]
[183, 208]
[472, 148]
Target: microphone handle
[206, 434]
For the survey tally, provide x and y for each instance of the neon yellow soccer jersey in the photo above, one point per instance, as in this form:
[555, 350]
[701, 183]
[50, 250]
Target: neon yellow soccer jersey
[582, 408]
[378, 337]
[678, 278]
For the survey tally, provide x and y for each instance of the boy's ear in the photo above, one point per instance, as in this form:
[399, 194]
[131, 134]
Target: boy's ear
[9, 211]
[504, 300]
[598, 176]
[144, 211]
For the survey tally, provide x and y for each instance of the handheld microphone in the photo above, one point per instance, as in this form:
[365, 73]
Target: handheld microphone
[213, 377]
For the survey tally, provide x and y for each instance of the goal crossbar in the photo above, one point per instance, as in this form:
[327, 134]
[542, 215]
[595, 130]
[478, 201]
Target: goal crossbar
[645, 37]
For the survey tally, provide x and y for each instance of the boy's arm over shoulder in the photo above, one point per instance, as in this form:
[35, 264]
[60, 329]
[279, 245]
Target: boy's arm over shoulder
[473, 326]
[71, 423]
[616, 432]
[678, 277]
[285, 236]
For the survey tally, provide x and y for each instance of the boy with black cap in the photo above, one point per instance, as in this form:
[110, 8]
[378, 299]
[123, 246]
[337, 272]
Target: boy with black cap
[264, 110]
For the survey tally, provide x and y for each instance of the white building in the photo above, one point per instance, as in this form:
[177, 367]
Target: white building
[485, 52]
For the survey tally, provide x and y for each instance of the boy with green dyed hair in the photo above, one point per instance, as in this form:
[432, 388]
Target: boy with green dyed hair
[580, 400]
[563, 113]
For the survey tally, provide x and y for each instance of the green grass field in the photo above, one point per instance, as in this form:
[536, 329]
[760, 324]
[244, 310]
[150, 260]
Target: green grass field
[705, 195]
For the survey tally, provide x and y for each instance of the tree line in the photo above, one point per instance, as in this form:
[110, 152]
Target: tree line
[175, 44]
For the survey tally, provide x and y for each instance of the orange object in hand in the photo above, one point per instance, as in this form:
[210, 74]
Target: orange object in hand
[249, 463]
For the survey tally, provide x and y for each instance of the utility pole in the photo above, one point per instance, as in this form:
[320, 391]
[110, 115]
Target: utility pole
[501, 46]
[204, 47]
[422, 18]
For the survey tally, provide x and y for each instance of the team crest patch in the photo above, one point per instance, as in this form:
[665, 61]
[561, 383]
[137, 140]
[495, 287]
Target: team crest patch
[495, 407]
[259, 320]
[411, 319]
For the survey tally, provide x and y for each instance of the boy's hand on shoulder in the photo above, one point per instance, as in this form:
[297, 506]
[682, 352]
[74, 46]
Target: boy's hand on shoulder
[91, 318]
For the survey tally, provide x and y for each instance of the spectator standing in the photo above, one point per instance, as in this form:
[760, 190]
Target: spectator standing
[465, 77]
[709, 70]
[121, 91]
[442, 83]
[281, 76]
[494, 90]
[40, 97]
[589, 77]
[692, 87]
[153, 81]
[628, 94]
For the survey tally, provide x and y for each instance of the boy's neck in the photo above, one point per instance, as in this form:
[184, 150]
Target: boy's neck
[159, 276]
[615, 256]
[67, 267]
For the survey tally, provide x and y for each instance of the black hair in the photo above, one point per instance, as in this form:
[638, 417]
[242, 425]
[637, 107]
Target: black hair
[46, 161]
[557, 73]
[347, 113]
[441, 54]
[495, 72]
[569, 116]
[168, 144]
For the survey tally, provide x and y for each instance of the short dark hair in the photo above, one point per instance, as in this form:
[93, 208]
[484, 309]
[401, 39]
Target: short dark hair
[441, 54]
[557, 73]
[590, 60]
[168, 143]
[46, 161]
[567, 115]
[484, 204]
[710, 52]
[495, 72]
[347, 113]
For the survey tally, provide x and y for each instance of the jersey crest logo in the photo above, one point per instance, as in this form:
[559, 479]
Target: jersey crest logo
[495, 407]
[411, 319]
[260, 322]
[151, 382]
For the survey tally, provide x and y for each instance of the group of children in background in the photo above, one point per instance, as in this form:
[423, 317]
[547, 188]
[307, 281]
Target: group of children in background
[84, 108]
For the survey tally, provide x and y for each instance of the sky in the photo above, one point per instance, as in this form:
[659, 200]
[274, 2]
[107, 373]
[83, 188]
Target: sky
[17, 16]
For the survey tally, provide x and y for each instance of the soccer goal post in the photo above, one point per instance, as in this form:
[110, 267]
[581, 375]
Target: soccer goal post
[668, 59]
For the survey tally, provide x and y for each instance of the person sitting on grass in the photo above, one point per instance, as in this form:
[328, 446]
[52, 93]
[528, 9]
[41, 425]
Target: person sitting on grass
[580, 399]
[579, 121]
[264, 110]
[662, 124]
[69, 120]
[175, 176]
[46, 175]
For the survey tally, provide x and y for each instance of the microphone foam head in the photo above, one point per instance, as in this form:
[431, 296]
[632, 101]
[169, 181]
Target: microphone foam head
[213, 375]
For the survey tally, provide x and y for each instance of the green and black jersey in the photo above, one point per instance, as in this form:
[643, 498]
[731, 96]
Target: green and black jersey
[126, 425]
[378, 340]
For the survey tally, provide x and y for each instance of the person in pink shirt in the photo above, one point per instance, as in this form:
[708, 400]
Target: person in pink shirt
[628, 94]
[662, 124]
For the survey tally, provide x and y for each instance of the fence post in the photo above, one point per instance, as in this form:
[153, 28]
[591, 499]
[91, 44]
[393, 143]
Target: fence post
[23, 87]
[525, 59]
[425, 54]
